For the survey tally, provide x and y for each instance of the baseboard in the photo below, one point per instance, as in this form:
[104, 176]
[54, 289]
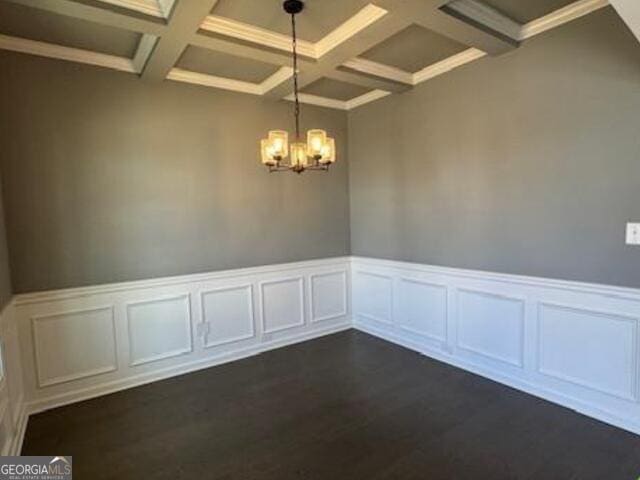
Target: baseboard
[79, 395]
[18, 439]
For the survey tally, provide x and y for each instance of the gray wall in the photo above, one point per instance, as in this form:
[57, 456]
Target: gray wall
[5, 277]
[108, 178]
[527, 163]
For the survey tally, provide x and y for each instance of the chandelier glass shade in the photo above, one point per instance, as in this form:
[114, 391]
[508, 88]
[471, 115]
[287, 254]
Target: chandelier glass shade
[319, 151]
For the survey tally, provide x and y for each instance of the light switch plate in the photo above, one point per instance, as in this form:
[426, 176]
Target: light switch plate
[633, 233]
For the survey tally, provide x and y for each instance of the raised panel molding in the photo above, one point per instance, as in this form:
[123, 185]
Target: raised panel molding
[328, 300]
[81, 345]
[384, 302]
[589, 348]
[573, 343]
[374, 296]
[423, 313]
[491, 325]
[229, 315]
[159, 329]
[282, 304]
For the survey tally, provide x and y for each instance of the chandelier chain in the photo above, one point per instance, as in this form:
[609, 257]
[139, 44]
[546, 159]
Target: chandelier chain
[295, 76]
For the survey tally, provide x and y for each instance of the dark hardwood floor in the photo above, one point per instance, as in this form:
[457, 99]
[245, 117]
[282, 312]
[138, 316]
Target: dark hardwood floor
[346, 406]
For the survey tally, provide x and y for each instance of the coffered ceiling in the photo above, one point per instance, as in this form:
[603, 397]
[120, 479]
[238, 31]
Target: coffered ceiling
[352, 51]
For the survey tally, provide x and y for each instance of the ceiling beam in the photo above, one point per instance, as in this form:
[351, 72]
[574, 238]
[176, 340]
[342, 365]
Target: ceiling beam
[462, 28]
[251, 52]
[363, 80]
[185, 21]
[486, 17]
[134, 22]
[360, 42]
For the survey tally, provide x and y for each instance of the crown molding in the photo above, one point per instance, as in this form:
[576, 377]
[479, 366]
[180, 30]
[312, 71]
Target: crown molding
[156, 8]
[361, 20]
[339, 104]
[257, 35]
[371, 96]
[379, 70]
[319, 101]
[561, 16]
[42, 49]
[195, 78]
[203, 79]
[447, 65]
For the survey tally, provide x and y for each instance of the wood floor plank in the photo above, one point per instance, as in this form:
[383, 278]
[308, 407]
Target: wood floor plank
[346, 406]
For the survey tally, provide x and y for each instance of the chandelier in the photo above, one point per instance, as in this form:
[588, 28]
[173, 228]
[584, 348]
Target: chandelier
[319, 151]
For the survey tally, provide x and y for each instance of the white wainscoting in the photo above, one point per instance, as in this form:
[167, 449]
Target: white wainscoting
[13, 413]
[84, 342]
[572, 343]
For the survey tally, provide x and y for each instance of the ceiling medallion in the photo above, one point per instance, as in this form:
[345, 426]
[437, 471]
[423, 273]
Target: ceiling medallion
[319, 151]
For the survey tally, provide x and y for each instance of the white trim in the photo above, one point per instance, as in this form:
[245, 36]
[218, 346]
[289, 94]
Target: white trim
[252, 34]
[447, 65]
[148, 7]
[612, 291]
[195, 78]
[18, 437]
[203, 79]
[561, 16]
[361, 20]
[60, 52]
[366, 98]
[319, 101]
[35, 298]
[379, 70]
